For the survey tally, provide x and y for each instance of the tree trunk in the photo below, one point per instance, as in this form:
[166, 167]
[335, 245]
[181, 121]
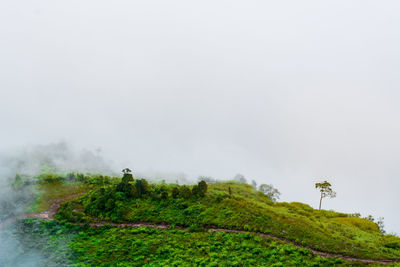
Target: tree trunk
[320, 201]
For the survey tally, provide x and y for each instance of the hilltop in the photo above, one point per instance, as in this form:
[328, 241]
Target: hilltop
[104, 220]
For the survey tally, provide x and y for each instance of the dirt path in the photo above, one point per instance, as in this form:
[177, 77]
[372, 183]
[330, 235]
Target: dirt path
[266, 236]
[49, 214]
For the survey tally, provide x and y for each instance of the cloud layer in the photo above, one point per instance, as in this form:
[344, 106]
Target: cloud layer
[286, 93]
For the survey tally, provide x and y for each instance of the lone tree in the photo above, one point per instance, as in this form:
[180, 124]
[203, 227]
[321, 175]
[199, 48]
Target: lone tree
[326, 191]
[126, 171]
[126, 183]
[127, 177]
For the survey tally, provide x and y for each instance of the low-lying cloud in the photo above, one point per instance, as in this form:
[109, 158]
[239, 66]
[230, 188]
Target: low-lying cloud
[288, 93]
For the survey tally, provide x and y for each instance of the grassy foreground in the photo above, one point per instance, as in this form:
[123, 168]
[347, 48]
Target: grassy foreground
[71, 245]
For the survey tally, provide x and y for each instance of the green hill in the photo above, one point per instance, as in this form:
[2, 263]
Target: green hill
[219, 224]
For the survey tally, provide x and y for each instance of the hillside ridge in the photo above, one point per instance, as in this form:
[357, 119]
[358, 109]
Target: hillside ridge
[49, 215]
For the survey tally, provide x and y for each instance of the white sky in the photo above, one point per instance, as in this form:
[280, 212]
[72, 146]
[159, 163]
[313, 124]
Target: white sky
[285, 92]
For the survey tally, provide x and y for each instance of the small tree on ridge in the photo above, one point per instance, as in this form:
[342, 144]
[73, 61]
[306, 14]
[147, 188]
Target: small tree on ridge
[325, 188]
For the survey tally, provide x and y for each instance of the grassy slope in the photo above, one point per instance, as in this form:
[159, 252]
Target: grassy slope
[50, 191]
[246, 209]
[68, 245]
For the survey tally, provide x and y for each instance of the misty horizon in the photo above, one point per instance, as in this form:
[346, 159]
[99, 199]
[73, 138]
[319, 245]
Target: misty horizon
[289, 93]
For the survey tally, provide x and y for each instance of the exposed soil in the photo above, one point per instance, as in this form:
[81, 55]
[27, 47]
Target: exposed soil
[52, 211]
[47, 215]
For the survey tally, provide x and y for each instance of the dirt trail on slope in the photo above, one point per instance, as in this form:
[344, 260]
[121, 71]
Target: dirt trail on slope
[266, 236]
[49, 214]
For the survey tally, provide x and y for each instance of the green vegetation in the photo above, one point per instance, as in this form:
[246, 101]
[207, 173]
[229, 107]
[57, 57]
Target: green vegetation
[72, 245]
[17, 181]
[228, 205]
[49, 191]
[38, 243]
[233, 205]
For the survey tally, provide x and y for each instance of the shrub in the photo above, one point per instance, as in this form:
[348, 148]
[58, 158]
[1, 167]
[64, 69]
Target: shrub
[391, 241]
[142, 187]
[164, 195]
[126, 186]
[185, 192]
[362, 224]
[17, 181]
[200, 189]
[175, 192]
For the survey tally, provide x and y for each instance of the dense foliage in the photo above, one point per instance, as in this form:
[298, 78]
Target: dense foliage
[71, 245]
[230, 205]
[234, 205]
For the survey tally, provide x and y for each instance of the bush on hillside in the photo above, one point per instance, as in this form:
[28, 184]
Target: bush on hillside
[391, 241]
[200, 189]
[362, 224]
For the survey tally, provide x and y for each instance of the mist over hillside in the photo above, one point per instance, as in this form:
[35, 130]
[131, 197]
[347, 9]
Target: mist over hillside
[29, 161]
[288, 93]
[60, 159]
[53, 157]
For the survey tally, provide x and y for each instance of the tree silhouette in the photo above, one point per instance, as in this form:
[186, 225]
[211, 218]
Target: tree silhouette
[325, 188]
[126, 171]
[126, 184]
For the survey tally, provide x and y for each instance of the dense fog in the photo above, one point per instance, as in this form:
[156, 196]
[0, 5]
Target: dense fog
[287, 93]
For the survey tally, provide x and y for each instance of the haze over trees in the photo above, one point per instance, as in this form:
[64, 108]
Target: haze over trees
[240, 178]
[270, 191]
[207, 179]
[254, 184]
